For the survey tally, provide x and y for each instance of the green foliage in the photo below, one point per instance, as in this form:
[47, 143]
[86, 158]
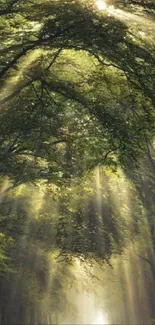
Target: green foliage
[65, 81]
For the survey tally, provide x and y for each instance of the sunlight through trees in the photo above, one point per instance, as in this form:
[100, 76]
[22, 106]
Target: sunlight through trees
[77, 162]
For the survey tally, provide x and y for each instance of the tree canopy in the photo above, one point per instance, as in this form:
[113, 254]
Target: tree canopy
[49, 66]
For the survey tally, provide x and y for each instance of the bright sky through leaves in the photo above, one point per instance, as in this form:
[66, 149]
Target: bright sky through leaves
[101, 4]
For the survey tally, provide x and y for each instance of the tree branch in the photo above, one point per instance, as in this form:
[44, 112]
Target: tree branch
[17, 91]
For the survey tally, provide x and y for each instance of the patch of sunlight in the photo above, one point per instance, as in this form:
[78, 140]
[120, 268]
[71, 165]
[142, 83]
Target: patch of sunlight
[141, 22]
[35, 26]
[101, 318]
[134, 21]
[101, 5]
[19, 190]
